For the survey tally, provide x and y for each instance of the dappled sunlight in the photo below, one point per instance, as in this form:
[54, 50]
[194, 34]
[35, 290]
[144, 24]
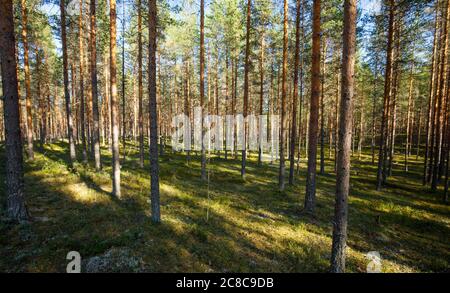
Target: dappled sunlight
[172, 190]
[232, 225]
[82, 193]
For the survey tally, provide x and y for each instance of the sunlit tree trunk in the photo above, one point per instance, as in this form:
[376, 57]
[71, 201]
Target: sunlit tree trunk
[227, 95]
[106, 102]
[261, 91]
[246, 87]
[28, 101]
[95, 112]
[41, 105]
[440, 100]
[124, 133]
[434, 102]
[16, 208]
[114, 105]
[202, 84]
[408, 117]
[187, 93]
[235, 70]
[81, 80]
[395, 95]
[310, 197]
[431, 96]
[345, 134]
[283, 130]
[387, 92]
[295, 93]
[300, 118]
[336, 118]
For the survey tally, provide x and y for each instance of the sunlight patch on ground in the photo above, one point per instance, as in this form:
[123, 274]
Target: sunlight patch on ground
[82, 193]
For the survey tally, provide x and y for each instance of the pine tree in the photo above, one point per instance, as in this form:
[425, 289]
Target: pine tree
[16, 208]
[114, 105]
[310, 197]
[154, 165]
[345, 138]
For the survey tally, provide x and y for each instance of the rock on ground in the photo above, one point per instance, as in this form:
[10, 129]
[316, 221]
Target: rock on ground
[114, 260]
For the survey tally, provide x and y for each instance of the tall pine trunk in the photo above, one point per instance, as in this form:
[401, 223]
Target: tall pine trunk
[81, 80]
[202, 85]
[283, 130]
[95, 112]
[140, 91]
[431, 96]
[28, 101]
[310, 197]
[295, 93]
[123, 83]
[154, 165]
[246, 85]
[69, 121]
[387, 93]
[440, 100]
[261, 92]
[345, 137]
[300, 112]
[322, 111]
[114, 105]
[408, 117]
[16, 208]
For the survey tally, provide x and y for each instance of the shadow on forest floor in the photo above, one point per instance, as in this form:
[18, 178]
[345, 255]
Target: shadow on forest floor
[226, 225]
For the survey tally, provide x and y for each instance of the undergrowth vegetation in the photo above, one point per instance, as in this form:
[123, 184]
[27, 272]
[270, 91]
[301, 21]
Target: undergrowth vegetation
[223, 225]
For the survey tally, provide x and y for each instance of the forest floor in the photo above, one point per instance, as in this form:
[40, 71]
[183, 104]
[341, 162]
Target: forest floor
[228, 225]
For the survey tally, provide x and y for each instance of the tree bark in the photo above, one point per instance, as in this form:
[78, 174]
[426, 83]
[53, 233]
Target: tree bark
[374, 96]
[246, 86]
[300, 111]
[310, 198]
[408, 118]
[322, 110]
[82, 98]
[16, 207]
[28, 102]
[202, 84]
[283, 130]
[114, 105]
[440, 101]
[345, 137]
[95, 112]
[187, 104]
[295, 93]
[387, 93]
[261, 92]
[69, 121]
[431, 96]
[140, 90]
[434, 105]
[154, 165]
[394, 96]
[123, 83]
[361, 125]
